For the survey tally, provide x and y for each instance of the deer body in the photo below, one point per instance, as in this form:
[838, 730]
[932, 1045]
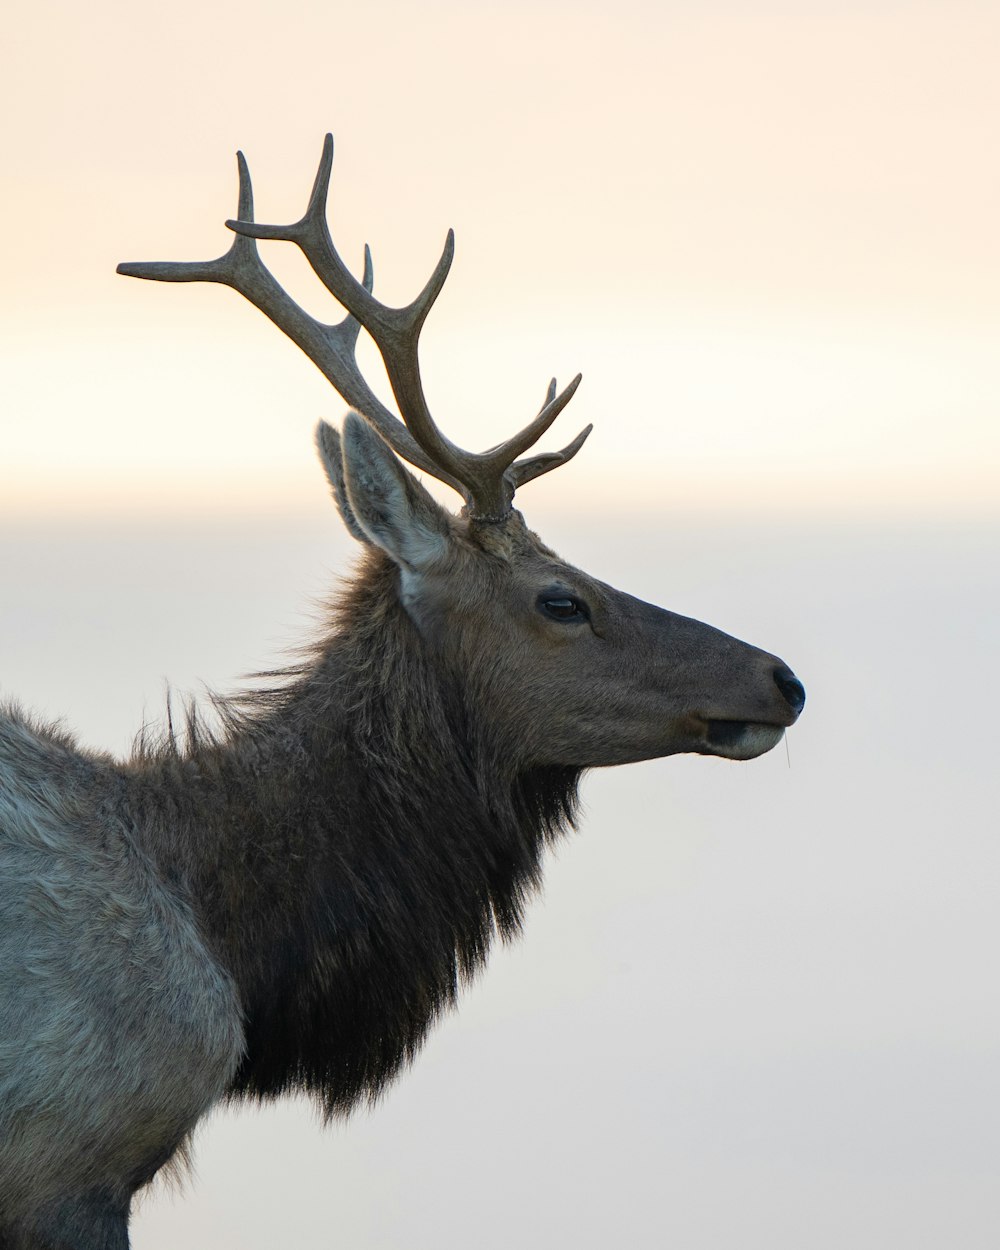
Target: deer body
[287, 903]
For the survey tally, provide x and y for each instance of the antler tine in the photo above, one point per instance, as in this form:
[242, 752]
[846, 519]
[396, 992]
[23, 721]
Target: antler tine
[507, 452]
[527, 470]
[228, 268]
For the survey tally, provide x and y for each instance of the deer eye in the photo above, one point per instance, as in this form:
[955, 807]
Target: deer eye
[563, 608]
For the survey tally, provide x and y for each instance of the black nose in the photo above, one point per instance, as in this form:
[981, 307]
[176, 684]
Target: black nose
[791, 688]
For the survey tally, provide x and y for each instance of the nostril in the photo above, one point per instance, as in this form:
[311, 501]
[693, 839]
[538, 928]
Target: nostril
[792, 689]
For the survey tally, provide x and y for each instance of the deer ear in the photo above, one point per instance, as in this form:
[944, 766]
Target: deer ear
[332, 459]
[387, 503]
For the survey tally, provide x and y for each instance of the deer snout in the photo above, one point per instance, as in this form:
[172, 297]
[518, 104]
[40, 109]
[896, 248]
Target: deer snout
[791, 689]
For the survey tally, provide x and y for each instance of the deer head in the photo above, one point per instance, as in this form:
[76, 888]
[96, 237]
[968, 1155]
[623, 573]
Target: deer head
[581, 674]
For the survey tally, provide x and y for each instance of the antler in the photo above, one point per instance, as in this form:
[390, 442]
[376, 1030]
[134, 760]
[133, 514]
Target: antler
[487, 480]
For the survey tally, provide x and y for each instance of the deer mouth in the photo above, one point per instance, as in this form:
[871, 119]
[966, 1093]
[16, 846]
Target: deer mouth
[741, 739]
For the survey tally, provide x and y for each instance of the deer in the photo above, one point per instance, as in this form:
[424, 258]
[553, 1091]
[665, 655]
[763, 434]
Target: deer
[286, 896]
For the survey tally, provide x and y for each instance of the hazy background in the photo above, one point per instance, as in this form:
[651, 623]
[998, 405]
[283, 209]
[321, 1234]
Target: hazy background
[757, 1004]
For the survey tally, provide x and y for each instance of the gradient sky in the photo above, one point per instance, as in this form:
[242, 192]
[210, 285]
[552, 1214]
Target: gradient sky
[765, 234]
[757, 1007]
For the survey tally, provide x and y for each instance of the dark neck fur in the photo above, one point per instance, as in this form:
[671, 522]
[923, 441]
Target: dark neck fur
[351, 847]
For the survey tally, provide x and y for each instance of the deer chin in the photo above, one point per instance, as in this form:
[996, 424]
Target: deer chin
[740, 739]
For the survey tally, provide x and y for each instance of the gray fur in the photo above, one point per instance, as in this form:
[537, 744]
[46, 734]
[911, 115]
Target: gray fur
[104, 973]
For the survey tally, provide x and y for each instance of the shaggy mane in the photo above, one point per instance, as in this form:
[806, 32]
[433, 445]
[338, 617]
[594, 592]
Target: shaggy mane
[385, 837]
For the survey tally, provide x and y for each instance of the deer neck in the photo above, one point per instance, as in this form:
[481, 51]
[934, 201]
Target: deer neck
[363, 858]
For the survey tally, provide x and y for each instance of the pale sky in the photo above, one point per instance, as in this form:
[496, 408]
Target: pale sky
[757, 1005]
[765, 234]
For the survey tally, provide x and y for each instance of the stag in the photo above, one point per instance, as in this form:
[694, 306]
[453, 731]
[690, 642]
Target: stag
[285, 900]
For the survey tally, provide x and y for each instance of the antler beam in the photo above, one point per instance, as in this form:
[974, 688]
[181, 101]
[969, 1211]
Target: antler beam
[487, 480]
